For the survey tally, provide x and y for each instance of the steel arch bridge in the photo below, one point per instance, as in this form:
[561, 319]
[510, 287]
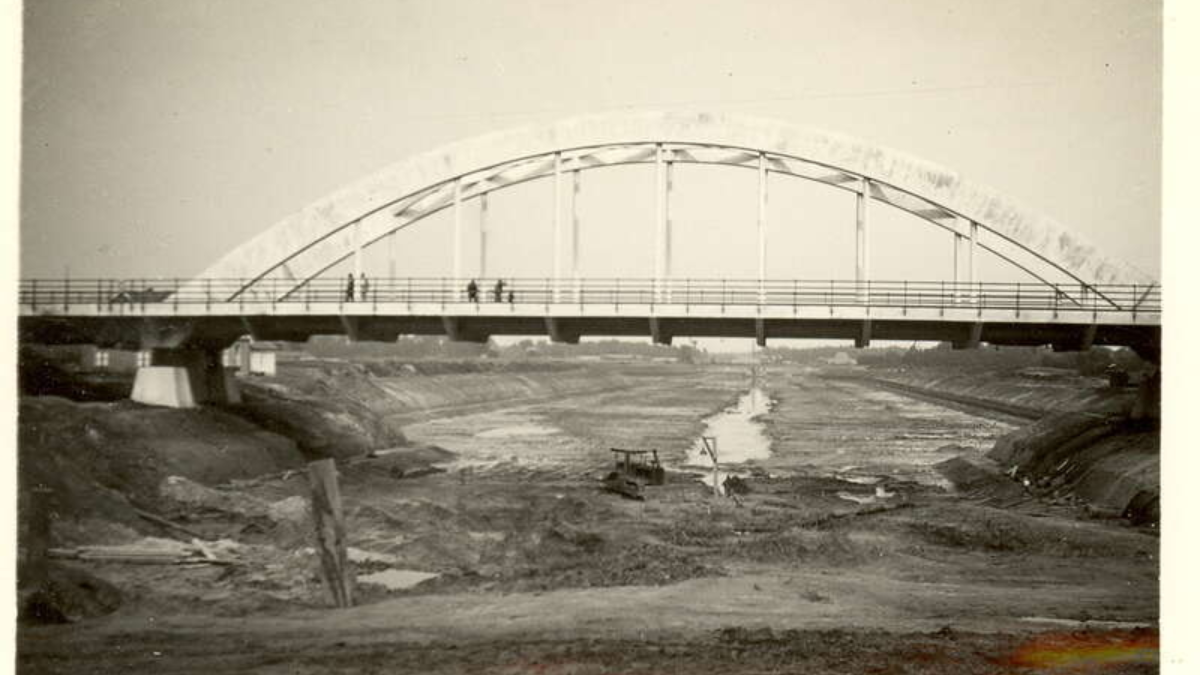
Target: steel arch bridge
[302, 246]
[272, 285]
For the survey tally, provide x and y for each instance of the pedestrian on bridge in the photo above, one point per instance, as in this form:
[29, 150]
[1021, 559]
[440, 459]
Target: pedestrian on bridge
[498, 293]
[362, 282]
[350, 287]
[472, 291]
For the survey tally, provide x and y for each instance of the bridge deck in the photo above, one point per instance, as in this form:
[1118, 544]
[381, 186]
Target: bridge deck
[153, 312]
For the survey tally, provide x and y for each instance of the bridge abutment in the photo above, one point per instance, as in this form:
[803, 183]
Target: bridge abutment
[184, 378]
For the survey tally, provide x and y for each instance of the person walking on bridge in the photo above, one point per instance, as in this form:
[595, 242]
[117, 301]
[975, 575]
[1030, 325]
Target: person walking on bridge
[498, 293]
[472, 291]
[350, 287]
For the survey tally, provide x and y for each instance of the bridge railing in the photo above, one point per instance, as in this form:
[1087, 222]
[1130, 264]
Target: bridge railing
[126, 295]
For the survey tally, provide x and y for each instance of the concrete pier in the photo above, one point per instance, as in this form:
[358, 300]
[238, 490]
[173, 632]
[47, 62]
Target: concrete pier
[184, 378]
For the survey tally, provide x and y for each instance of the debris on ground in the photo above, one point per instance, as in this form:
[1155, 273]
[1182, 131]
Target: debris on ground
[149, 551]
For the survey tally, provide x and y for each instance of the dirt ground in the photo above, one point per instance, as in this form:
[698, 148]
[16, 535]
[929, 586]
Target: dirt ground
[849, 554]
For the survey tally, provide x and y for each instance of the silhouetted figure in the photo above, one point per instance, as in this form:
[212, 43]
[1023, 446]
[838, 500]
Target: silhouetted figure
[362, 282]
[511, 295]
[350, 287]
[498, 292]
[473, 291]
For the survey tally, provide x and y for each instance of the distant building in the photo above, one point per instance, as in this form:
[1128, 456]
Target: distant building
[249, 360]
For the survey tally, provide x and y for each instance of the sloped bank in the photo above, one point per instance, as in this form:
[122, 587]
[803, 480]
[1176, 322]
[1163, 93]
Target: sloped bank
[1109, 463]
[322, 421]
[104, 459]
[391, 388]
[1081, 446]
[1024, 392]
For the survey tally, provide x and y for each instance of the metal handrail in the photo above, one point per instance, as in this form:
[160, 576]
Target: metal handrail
[129, 295]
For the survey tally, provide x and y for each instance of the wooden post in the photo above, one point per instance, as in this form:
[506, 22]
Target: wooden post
[710, 447]
[331, 531]
[37, 541]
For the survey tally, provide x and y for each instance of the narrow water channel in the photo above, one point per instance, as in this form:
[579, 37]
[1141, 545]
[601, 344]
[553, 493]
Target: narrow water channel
[739, 438]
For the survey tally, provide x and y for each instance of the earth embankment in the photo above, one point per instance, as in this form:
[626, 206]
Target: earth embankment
[1081, 447]
[104, 459]
[1026, 392]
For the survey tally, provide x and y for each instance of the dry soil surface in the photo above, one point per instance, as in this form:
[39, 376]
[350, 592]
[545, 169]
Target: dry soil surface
[848, 555]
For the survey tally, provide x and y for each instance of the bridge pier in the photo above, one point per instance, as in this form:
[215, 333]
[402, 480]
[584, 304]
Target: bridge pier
[184, 378]
[457, 332]
[1087, 337]
[554, 329]
[657, 334]
[974, 335]
[864, 335]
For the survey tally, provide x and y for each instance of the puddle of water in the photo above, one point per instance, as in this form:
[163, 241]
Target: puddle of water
[518, 430]
[740, 438]
[398, 579]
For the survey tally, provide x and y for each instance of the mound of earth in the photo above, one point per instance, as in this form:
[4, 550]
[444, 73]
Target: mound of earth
[321, 420]
[1106, 462]
[101, 459]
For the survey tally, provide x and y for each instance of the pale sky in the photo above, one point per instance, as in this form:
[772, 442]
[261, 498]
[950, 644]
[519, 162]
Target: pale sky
[159, 135]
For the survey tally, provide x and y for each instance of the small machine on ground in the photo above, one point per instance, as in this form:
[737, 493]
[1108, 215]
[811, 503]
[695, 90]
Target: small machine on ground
[634, 470]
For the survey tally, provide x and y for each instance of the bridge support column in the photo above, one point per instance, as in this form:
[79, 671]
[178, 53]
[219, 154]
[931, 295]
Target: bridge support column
[391, 255]
[667, 189]
[1087, 337]
[762, 228]
[864, 335]
[660, 223]
[483, 233]
[972, 245]
[184, 378]
[972, 340]
[862, 257]
[554, 329]
[457, 332]
[556, 243]
[358, 249]
[458, 233]
[350, 326]
[658, 333]
[241, 349]
[957, 241]
[575, 187]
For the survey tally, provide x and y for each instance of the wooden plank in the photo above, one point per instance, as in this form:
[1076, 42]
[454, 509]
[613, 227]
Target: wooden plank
[331, 531]
[204, 550]
[166, 523]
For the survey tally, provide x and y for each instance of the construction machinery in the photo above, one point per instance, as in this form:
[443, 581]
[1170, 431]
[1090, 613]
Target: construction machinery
[634, 470]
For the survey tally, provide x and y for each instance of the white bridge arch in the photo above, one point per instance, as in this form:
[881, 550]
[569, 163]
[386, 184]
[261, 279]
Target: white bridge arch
[302, 246]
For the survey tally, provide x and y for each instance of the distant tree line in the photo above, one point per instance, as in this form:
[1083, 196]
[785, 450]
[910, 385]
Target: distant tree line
[441, 348]
[1092, 362]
